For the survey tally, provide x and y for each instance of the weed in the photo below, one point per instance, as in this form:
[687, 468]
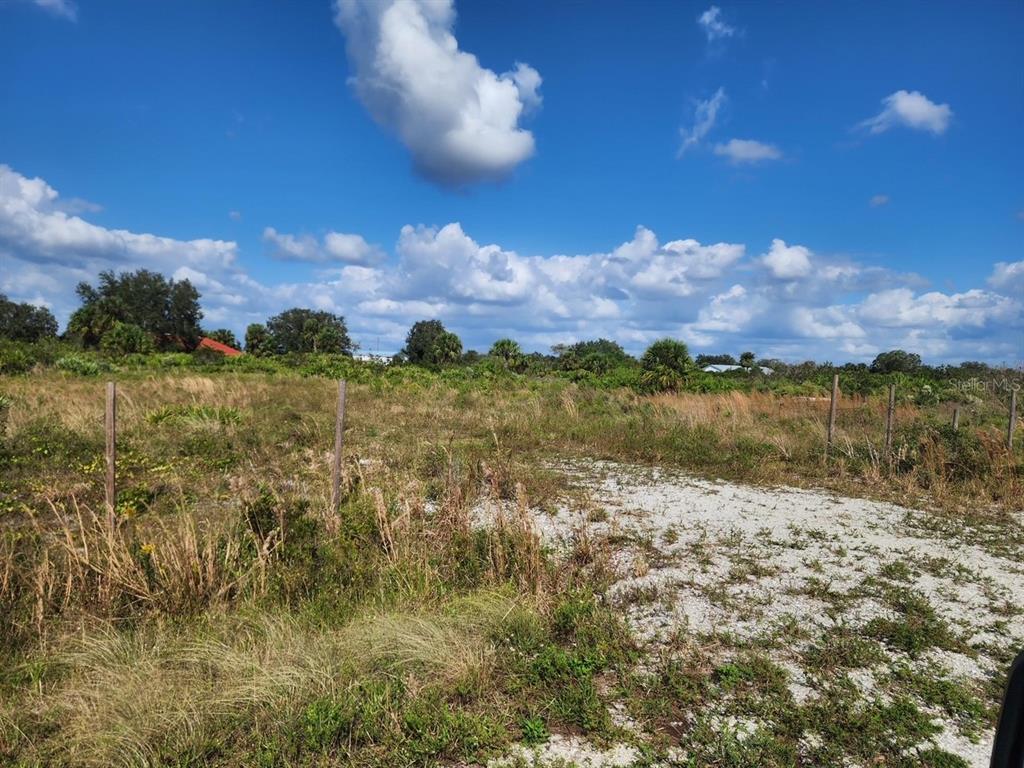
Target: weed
[916, 628]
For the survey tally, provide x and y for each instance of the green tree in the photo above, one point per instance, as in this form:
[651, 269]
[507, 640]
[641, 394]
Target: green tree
[747, 359]
[224, 336]
[667, 353]
[257, 340]
[126, 339]
[597, 356]
[509, 353]
[307, 330]
[167, 310]
[447, 350]
[896, 361]
[25, 322]
[421, 340]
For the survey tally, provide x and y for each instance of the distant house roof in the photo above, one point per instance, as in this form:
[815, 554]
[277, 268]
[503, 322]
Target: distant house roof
[720, 368]
[216, 346]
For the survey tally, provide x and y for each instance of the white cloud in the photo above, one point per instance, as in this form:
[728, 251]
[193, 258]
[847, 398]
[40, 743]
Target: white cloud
[911, 109]
[446, 262]
[825, 323]
[65, 9]
[336, 246]
[714, 27]
[901, 308]
[787, 302]
[705, 114]
[459, 120]
[33, 226]
[877, 201]
[77, 205]
[1008, 277]
[787, 262]
[352, 249]
[728, 312]
[235, 215]
[747, 151]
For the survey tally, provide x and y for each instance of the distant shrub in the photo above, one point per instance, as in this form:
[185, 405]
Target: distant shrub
[125, 339]
[172, 360]
[15, 358]
[204, 357]
[82, 366]
[660, 378]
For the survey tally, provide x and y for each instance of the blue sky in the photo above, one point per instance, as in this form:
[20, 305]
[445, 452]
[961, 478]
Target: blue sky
[808, 180]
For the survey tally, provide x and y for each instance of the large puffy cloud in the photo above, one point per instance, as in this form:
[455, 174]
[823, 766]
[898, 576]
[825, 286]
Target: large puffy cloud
[787, 301]
[911, 109]
[787, 261]
[459, 120]
[901, 308]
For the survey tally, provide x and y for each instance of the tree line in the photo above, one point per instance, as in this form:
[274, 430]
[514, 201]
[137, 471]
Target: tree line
[141, 312]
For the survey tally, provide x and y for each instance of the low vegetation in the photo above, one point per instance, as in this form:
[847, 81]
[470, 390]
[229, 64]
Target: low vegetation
[228, 616]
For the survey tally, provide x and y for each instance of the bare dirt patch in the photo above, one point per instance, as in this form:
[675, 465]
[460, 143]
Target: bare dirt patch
[864, 606]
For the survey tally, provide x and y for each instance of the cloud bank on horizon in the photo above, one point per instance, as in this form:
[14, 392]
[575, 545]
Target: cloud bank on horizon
[788, 301]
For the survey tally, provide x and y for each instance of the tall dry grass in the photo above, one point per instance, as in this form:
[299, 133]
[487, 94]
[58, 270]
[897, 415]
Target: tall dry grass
[176, 567]
[133, 699]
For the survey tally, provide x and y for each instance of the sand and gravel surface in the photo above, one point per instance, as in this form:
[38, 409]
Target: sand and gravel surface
[712, 559]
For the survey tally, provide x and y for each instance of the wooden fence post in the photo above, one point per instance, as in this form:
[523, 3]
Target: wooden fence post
[890, 411]
[832, 409]
[339, 443]
[1013, 419]
[956, 418]
[111, 428]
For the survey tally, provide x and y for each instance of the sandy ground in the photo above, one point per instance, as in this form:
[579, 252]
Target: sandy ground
[705, 557]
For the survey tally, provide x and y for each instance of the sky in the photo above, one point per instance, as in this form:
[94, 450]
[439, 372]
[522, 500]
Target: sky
[805, 180]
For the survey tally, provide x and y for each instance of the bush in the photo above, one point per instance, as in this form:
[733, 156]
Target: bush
[125, 339]
[660, 378]
[15, 358]
[82, 366]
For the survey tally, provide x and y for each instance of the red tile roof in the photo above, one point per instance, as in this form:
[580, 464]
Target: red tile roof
[224, 349]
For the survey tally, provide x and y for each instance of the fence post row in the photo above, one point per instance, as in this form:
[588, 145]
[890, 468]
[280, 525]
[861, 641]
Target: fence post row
[339, 443]
[889, 413]
[832, 408]
[111, 429]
